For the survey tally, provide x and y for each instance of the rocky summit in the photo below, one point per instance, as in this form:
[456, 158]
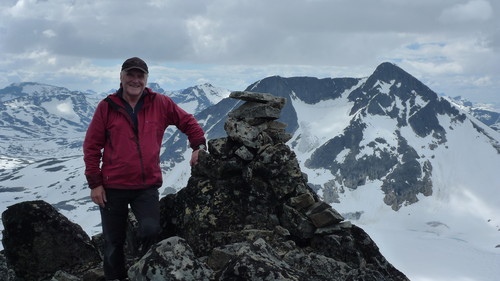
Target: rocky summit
[247, 213]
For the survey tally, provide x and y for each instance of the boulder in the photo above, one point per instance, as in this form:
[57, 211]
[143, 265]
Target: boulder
[170, 259]
[39, 241]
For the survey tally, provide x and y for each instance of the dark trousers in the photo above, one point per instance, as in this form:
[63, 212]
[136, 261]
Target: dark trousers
[146, 208]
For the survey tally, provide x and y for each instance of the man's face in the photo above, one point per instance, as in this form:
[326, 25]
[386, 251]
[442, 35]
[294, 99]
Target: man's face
[133, 82]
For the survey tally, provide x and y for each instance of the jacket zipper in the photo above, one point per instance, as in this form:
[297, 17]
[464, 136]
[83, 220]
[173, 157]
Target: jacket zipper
[137, 141]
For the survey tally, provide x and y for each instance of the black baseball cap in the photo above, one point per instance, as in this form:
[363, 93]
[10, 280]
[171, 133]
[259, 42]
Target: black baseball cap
[135, 62]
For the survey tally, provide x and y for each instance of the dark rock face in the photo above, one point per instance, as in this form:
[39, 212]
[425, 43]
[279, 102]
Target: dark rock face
[6, 273]
[246, 214]
[39, 241]
[403, 173]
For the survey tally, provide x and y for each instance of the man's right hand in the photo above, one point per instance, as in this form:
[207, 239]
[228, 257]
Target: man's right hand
[98, 195]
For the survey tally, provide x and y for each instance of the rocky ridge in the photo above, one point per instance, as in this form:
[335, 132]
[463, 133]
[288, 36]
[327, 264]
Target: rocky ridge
[247, 213]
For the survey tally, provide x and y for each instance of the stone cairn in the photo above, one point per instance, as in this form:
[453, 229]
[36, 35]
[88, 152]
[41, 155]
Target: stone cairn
[247, 213]
[254, 128]
[255, 159]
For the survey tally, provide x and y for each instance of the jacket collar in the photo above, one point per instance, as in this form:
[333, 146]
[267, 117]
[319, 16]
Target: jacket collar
[147, 96]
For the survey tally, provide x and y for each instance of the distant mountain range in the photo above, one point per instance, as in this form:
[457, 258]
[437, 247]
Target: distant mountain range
[483, 112]
[383, 147]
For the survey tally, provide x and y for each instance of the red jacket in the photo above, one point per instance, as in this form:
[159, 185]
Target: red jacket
[131, 158]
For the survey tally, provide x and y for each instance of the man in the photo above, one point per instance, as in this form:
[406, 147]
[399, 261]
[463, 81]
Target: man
[125, 136]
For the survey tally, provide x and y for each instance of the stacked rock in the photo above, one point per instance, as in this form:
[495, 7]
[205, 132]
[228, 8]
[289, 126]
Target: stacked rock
[254, 126]
[255, 155]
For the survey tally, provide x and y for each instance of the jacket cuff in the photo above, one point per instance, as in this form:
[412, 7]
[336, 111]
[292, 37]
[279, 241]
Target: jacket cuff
[94, 180]
[196, 145]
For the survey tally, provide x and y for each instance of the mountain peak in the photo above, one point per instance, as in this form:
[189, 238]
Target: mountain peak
[156, 87]
[388, 72]
[388, 66]
[389, 79]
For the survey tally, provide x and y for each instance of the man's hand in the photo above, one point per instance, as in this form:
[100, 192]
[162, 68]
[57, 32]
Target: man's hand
[194, 157]
[98, 195]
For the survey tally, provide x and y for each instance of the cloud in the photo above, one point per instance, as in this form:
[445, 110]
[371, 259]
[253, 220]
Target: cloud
[474, 10]
[482, 81]
[226, 41]
[49, 33]
[221, 31]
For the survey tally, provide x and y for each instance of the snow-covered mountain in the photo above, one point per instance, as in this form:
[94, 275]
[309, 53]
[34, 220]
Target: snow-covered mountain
[486, 113]
[411, 168]
[195, 99]
[416, 171]
[39, 120]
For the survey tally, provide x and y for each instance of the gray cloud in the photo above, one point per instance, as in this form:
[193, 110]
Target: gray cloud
[433, 39]
[472, 11]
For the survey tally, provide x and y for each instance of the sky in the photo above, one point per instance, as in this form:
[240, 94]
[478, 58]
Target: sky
[453, 46]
